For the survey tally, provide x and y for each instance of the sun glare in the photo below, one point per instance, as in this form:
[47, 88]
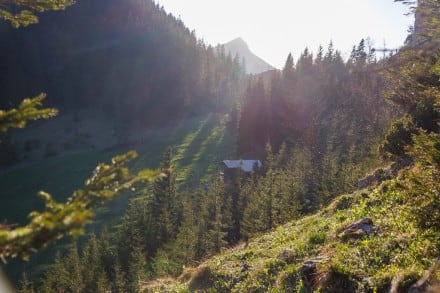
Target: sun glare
[274, 28]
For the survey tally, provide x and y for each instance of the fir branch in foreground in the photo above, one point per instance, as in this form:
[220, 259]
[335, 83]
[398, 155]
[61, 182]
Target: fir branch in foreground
[27, 16]
[60, 219]
[29, 109]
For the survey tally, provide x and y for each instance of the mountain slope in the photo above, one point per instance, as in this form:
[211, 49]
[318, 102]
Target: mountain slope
[325, 252]
[254, 64]
[128, 62]
[193, 138]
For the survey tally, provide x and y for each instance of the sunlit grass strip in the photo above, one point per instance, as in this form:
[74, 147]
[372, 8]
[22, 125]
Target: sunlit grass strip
[198, 156]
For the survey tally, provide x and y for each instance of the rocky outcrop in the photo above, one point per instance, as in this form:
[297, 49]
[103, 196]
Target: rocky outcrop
[309, 269]
[359, 229]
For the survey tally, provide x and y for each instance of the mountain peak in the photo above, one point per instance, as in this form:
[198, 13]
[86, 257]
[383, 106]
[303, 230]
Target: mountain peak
[254, 64]
[238, 41]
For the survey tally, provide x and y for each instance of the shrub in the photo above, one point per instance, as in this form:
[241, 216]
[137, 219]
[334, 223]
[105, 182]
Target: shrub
[423, 183]
[398, 137]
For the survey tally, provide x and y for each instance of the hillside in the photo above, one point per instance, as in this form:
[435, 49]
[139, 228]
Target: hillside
[325, 251]
[113, 68]
[192, 139]
[253, 63]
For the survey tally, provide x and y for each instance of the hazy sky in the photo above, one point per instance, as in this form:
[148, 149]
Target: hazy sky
[273, 28]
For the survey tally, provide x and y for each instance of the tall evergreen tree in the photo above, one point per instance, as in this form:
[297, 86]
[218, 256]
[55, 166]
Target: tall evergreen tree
[91, 261]
[184, 248]
[165, 206]
[218, 204]
[56, 278]
[74, 268]
[137, 262]
[289, 67]
[119, 280]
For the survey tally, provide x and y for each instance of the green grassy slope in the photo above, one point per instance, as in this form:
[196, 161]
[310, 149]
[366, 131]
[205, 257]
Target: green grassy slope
[199, 144]
[193, 140]
[399, 250]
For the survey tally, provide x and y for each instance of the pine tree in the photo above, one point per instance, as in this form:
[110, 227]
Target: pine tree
[233, 190]
[128, 230]
[255, 218]
[119, 280]
[304, 66]
[301, 172]
[56, 278]
[92, 264]
[102, 283]
[75, 269]
[274, 198]
[289, 197]
[165, 206]
[360, 54]
[329, 55]
[319, 56]
[183, 249]
[288, 69]
[220, 216]
[136, 263]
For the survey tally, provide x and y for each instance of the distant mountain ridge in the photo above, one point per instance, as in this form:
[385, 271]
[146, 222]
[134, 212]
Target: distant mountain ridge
[254, 64]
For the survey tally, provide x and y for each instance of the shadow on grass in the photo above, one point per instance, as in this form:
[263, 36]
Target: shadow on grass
[199, 143]
[197, 158]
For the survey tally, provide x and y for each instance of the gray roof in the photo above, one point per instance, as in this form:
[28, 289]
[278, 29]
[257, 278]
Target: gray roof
[245, 165]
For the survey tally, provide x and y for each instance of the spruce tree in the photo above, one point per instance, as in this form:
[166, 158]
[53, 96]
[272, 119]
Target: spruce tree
[164, 207]
[102, 283]
[74, 268]
[255, 218]
[137, 262]
[320, 55]
[92, 264]
[220, 216]
[288, 69]
[107, 253]
[329, 55]
[56, 278]
[119, 280]
[128, 230]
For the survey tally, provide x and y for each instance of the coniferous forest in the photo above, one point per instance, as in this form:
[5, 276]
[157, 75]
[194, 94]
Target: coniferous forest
[345, 198]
